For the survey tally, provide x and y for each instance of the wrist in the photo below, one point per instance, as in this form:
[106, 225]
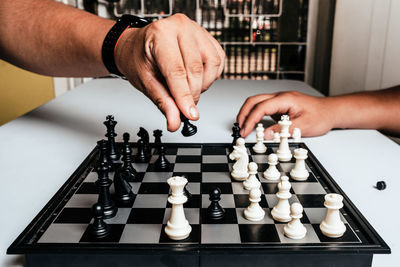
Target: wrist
[123, 47]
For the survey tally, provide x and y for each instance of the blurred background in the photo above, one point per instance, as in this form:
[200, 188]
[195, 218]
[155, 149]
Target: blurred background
[336, 46]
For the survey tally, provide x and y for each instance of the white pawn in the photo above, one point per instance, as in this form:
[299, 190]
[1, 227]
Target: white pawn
[178, 227]
[299, 172]
[295, 229]
[272, 172]
[259, 147]
[332, 225]
[277, 137]
[283, 151]
[296, 135]
[239, 154]
[254, 212]
[281, 212]
[252, 180]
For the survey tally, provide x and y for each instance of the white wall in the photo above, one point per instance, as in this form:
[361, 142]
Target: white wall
[366, 45]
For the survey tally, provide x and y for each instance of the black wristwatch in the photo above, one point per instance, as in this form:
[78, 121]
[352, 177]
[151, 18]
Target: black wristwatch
[112, 37]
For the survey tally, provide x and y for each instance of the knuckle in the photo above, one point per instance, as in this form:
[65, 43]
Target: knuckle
[196, 68]
[157, 26]
[177, 72]
[180, 17]
[215, 61]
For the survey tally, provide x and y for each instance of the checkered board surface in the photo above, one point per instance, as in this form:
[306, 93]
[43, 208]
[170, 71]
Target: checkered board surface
[205, 166]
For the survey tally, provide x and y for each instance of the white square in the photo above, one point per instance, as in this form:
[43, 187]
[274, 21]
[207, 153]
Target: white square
[187, 167]
[141, 233]
[189, 151]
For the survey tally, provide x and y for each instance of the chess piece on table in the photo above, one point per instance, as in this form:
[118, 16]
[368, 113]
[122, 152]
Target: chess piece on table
[215, 211]
[296, 135]
[157, 140]
[144, 136]
[277, 138]
[162, 162]
[295, 229]
[141, 155]
[299, 172]
[99, 229]
[123, 190]
[178, 227]
[240, 167]
[332, 225]
[259, 147]
[281, 212]
[252, 180]
[283, 152]
[235, 134]
[103, 183]
[188, 128]
[102, 146]
[272, 173]
[254, 212]
[113, 153]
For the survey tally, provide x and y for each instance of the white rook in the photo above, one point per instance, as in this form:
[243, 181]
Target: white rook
[332, 225]
[178, 227]
[299, 172]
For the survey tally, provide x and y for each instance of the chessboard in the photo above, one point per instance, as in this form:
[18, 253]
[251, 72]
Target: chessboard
[59, 235]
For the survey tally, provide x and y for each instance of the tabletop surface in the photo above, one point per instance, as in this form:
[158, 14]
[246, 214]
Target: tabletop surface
[40, 150]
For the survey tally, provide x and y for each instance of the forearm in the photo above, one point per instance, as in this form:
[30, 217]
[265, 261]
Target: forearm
[368, 110]
[50, 38]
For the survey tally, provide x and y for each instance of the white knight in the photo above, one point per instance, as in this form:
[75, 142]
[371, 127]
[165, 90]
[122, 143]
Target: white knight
[240, 168]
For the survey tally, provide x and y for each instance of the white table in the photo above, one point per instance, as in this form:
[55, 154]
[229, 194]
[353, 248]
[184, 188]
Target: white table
[40, 150]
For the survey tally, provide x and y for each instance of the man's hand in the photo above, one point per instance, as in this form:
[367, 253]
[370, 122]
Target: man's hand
[313, 115]
[172, 61]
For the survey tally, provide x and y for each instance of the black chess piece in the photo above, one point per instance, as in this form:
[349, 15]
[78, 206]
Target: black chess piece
[144, 135]
[157, 140]
[215, 211]
[99, 229]
[188, 128]
[235, 134]
[141, 156]
[102, 146]
[104, 183]
[113, 154]
[162, 162]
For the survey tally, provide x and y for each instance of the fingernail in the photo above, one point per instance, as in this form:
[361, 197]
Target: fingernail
[269, 134]
[193, 112]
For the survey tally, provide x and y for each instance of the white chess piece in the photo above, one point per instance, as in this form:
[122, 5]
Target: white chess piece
[277, 138]
[332, 225]
[295, 229]
[259, 147]
[281, 212]
[178, 227]
[272, 172]
[254, 212]
[252, 180]
[296, 135]
[283, 151]
[299, 172]
[239, 154]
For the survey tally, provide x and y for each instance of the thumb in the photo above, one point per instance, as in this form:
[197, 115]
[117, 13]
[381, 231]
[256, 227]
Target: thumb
[269, 132]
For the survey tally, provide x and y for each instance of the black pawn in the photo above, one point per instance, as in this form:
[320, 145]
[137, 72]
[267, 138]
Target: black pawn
[235, 134]
[188, 128]
[113, 154]
[144, 135]
[157, 140]
[99, 228]
[103, 158]
[141, 156]
[103, 183]
[215, 211]
[162, 163]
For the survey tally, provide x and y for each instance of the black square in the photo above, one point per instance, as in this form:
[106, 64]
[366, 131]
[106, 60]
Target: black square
[213, 150]
[125, 204]
[258, 233]
[272, 188]
[192, 177]
[114, 236]
[138, 178]
[269, 150]
[146, 216]
[242, 201]
[74, 215]
[262, 167]
[188, 159]
[87, 188]
[195, 202]
[348, 236]
[214, 167]
[152, 168]
[194, 236]
[226, 188]
[311, 200]
[154, 188]
[229, 217]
